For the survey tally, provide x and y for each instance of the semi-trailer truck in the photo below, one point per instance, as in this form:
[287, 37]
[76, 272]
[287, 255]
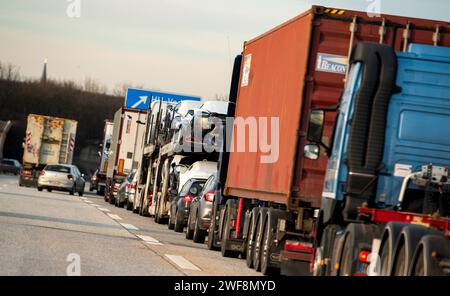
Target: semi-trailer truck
[126, 148]
[386, 194]
[48, 140]
[267, 212]
[104, 154]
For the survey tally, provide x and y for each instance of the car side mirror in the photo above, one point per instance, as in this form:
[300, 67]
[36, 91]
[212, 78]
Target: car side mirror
[181, 169]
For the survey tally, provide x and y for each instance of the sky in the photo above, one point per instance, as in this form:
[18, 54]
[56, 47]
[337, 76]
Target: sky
[182, 46]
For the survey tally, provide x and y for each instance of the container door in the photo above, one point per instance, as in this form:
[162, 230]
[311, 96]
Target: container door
[51, 140]
[33, 139]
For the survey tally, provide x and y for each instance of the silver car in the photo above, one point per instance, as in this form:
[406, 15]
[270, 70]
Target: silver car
[200, 211]
[61, 177]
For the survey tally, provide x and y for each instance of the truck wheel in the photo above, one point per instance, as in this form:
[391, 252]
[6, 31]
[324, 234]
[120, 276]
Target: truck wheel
[178, 227]
[322, 260]
[260, 223]
[226, 228]
[211, 233]
[251, 238]
[129, 205]
[199, 234]
[431, 257]
[388, 239]
[267, 246]
[189, 232]
[170, 223]
[406, 245]
[40, 188]
[357, 237]
[49, 190]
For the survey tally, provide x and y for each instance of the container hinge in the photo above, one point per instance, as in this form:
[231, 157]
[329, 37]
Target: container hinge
[436, 36]
[406, 35]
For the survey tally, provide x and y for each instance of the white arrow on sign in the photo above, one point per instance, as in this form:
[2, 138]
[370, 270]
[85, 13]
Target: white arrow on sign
[143, 99]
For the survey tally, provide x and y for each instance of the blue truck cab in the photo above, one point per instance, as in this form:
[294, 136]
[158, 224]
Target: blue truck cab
[417, 131]
[386, 189]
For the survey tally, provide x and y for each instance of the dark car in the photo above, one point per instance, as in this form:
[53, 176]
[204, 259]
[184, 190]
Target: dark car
[179, 209]
[10, 166]
[200, 211]
[98, 183]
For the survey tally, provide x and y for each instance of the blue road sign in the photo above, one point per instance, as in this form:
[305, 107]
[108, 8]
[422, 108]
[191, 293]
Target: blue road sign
[141, 99]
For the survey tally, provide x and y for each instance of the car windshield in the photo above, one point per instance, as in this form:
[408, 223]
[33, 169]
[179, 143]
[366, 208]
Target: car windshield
[192, 187]
[57, 168]
[131, 176]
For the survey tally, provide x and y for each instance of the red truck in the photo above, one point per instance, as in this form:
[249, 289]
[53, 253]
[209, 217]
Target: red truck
[268, 212]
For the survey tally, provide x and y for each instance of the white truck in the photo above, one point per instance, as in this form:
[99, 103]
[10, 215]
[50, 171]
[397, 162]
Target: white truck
[100, 182]
[48, 140]
[126, 148]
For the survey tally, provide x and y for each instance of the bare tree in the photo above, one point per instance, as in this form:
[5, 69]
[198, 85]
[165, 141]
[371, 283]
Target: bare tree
[121, 88]
[9, 72]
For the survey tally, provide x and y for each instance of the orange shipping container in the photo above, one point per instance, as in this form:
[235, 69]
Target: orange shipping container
[298, 66]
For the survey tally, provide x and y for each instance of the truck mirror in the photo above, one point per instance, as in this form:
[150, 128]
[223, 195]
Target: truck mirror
[315, 128]
[311, 151]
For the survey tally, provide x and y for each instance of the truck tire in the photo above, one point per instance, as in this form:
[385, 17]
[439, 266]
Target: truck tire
[129, 205]
[251, 237]
[260, 224]
[178, 223]
[322, 260]
[406, 245]
[211, 233]
[199, 234]
[268, 247]
[388, 239]
[49, 190]
[171, 223]
[226, 229]
[40, 188]
[431, 257]
[357, 237]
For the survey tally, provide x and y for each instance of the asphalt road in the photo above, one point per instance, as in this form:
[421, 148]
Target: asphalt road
[44, 233]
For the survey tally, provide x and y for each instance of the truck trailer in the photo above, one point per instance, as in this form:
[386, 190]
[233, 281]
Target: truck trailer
[268, 212]
[125, 150]
[48, 140]
[105, 149]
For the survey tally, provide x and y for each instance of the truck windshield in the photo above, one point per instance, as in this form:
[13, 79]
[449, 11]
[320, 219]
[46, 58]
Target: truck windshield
[57, 168]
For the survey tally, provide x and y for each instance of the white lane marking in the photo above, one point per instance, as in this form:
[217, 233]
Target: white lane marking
[182, 262]
[96, 205]
[103, 209]
[88, 201]
[129, 226]
[154, 243]
[83, 198]
[114, 216]
[148, 239]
